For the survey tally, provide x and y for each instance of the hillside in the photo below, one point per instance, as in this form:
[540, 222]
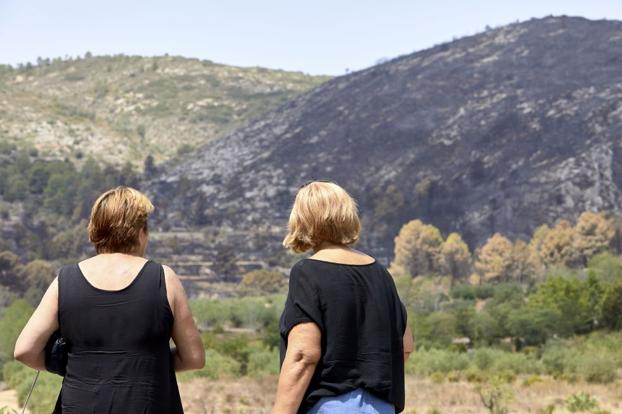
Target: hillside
[122, 108]
[500, 131]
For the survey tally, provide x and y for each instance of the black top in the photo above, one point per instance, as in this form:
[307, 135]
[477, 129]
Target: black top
[119, 356]
[362, 322]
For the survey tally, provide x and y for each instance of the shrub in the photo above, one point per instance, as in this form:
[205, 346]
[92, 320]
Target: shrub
[426, 362]
[506, 376]
[263, 361]
[484, 291]
[495, 395]
[210, 312]
[20, 377]
[606, 267]
[453, 376]
[216, 366]
[443, 328]
[532, 325]
[485, 328]
[581, 402]
[531, 380]
[463, 291]
[437, 377]
[597, 368]
[558, 359]
[13, 320]
[612, 307]
[238, 348]
[474, 375]
[483, 359]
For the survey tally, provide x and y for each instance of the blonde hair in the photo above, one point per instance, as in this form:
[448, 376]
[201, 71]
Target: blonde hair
[117, 217]
[322, 212]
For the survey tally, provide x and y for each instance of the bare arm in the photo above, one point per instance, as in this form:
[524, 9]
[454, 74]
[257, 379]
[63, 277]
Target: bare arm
[189, 352]
[303, 353]
[409, 343]
[30, 346]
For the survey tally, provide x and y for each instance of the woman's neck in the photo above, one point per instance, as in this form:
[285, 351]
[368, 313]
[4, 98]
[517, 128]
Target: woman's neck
[329, 246]
[122, 254]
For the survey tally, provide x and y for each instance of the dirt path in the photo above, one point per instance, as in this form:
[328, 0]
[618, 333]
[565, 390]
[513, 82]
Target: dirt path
[8, 399]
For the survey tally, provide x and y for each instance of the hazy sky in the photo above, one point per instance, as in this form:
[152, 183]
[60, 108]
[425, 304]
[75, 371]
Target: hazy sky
[314, 36]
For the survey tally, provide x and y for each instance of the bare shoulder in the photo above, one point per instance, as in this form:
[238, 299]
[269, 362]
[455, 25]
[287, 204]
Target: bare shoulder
[168, 272]
[53, 288]
[49, 300]
[173, 284]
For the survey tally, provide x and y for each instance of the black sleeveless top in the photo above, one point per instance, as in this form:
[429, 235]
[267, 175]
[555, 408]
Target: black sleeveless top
[119, 356]
[362, 321]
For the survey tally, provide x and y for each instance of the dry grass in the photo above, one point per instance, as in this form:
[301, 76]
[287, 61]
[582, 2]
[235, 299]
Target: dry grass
[255, 396]
[8, 401]
[461, 397]
[228, 396]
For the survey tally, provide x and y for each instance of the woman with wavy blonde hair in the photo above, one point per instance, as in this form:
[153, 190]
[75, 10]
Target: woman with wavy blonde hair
[117, 311]
[344, 337]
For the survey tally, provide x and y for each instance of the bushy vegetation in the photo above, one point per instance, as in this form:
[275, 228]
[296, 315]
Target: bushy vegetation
[421, 250]
[505, 312]
[55, 198]
[12, 320]
[246, 312]
[20, 378]
[591, 358]
[121, 107]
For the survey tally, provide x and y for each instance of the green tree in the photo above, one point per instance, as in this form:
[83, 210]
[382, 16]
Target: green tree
[533, 325]
[8, 269]
[15, 188]
[485, 328]
[464, 313]
[36, 276]
[569, 297]
[442, 328]
[8, 260]
[38, 177]
[606, 267]
[612, 307]
[13, 320]
[70, 243]
[61, 191]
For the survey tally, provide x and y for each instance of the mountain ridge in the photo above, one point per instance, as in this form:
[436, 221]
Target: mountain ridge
[500, 131]
[122, 108]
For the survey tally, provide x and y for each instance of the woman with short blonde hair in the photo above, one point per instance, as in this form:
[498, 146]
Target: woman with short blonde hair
[117, 311]
[322, 212]
[344, 337]
[117, 218]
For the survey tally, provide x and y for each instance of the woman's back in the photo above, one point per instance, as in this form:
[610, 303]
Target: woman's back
[362, 322]
[119, 359]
